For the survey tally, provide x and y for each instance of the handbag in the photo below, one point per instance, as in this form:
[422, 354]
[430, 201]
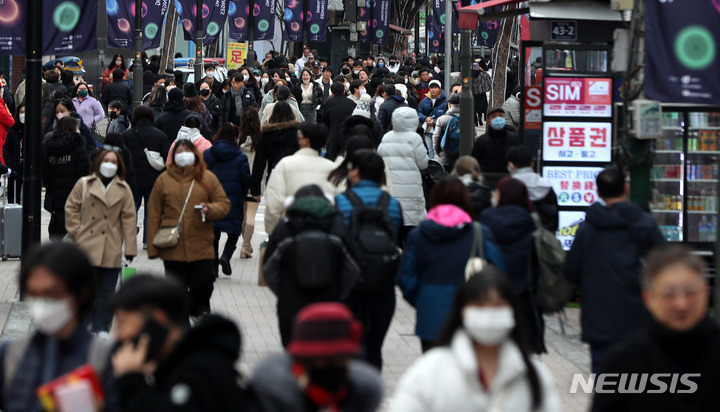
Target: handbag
[167, 237]
[155, 159]
[476, 262]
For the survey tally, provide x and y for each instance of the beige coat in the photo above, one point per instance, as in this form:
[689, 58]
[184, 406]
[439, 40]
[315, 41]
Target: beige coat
[197, 238]
[103, 222]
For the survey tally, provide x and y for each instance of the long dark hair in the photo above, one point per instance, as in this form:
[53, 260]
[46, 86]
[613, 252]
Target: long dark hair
[477, 289]
[250, 126]
[158, 96]
[111, 66]
[450, 190]
[194, 104]
[228, 132]
[282, 112]
[353, 144]
[77, 86]
[513, 193]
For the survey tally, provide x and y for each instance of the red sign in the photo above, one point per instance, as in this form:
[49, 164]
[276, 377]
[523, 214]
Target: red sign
[578, 97]
[577, 142]
[533, 108]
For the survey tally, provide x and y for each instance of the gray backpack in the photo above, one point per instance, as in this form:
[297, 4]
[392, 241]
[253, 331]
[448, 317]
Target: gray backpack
[553, 291]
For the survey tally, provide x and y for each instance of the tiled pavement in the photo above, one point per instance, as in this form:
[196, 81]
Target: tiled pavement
[253, 308]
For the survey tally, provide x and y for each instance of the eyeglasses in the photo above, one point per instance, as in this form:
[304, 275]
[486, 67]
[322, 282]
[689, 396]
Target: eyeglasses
[109, 148]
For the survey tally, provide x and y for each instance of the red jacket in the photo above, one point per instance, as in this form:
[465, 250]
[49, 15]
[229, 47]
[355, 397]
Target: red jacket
[6, 122]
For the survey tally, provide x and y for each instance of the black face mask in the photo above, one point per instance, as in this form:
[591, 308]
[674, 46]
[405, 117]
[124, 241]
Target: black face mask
[345, 70]
[205, 92]
[331, 378]
[112, 115]
[157, 334]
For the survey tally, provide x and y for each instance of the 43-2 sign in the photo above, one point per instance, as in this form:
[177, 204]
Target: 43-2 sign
[563, 30]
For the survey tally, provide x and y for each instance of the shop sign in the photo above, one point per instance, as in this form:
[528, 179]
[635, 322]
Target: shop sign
[577, 142]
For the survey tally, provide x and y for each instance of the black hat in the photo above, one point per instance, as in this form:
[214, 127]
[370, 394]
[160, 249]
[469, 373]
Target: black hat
[454, 99]
[175, 94]
[189, 90]
[315, 64]
[495, 110]
[169, 73]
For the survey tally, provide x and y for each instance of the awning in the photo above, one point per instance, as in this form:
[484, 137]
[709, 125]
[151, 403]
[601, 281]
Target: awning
[401, 30]
[470, 15]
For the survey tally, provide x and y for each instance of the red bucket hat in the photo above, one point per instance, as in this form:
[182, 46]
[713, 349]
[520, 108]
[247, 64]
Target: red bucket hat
[325, 330]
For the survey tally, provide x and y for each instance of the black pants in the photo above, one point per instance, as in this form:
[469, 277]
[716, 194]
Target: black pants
[230, 245]
[426, 345]
[198, 277]
[375, 311]
[402, 236]
[103, 314]
[56, 228]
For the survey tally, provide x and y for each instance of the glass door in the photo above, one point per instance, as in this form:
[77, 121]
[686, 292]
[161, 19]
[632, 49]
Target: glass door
[667, 179]
[703, 155]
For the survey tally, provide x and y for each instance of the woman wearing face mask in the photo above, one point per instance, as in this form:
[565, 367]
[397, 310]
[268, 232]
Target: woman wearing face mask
[491, 148]
[512, 224]
[158, 100]
[59, 286]
[251, 84]
[65, 108]
[65, 160]
[212, 104]
[117, 62]
[191, 131]
[482, 362]
[191, 260]
[264, 81]
[249, 139]
[87, 106]
[309, 94]
[100, 218]
[12, 154]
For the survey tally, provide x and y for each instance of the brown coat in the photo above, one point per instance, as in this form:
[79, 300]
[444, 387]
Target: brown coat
[166, 201]
[103, 221]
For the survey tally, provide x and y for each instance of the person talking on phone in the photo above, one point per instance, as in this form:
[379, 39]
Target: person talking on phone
[193, 368]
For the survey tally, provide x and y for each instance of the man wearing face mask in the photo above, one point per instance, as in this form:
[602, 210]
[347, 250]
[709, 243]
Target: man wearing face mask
[393, 65]
[193, 368]
[356, 90]
[210, 80]
[490, 149]
[236, 100]
[318, 372]
[357, 66]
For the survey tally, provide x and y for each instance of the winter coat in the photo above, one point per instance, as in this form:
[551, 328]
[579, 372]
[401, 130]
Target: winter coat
[305, 167]
[490, 150]
[278, 140]
[433, 265]
[214, 107]
[333, 114]
[278, 390]
[230, 165]
[446, 379]
[605, 261]
[369, 192]
[511, 107]
[12, 149]
[304, 215]
[174, 117]
[542, 196]
[119, 125]
[117, 90]
[144, 135]
[199, 373]
[352, 121]
[106, 75]
[317, 94]
[102, 222]
[90, 109]
[228, 112]
[65, 160]
[426, 109]
[480, 195]
[166, 201]
[85, 132]
[265, 119]
[441, 124]
[6, 122]
[403, 151]
[656, 349]
[385, 114]
[192, 134]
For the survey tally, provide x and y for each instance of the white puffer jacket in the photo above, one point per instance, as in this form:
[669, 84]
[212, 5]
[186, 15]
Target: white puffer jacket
[404, 153]
[446, 379]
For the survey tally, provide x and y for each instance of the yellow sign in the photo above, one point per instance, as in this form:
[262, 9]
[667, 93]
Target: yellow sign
[236, 54]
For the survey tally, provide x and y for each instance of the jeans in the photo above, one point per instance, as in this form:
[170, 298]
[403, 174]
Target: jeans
[198, 278]
[375, 311]
[429, 145]
[143, 193]
[102, 314]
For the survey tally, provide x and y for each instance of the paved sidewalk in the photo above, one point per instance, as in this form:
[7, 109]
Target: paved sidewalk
[253, 308]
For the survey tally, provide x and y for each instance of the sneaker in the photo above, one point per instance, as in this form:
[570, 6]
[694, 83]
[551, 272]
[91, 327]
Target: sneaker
[103, 335]
[225, 265]
[144, 246]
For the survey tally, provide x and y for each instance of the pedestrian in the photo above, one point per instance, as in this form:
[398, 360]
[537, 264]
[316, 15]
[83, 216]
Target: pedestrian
[59, 285]
[309, 95]
[212, 104]
[436, 254]
[117, 62]
[143, 141]
[52, 77]
[325, 82]
[87, 106]
[512, 225]
[333, 114]
[447, 131]
[490, 149]
[540, 189]
[362, 119]
[282, 94]
[191, 197]
[679, 339]
[422, 84]
[175, 115]
[191, 131]
[63, 108]
[65, 160]
[117, 90]
[236, 100]
[468, 170]
[429, 110]
[100, 219]
[210, 80]
[339, 176]
[7, 121]
[250, 134]
[303, 168]
[481, 85]
[393, 100]
[230, 165]
[511, 107]
[251, 84]
[319, 372]
[157, 100]
[117, 113]
[482, 362]
[192, 368]
[403, 151]
[279, 139]
[13, 154]
[193, 102]
[605, 262]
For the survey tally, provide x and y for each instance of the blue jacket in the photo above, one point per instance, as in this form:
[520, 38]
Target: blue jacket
[231, 167]
[369, 192]
[433, 269]
[426, 108]
[604, 262]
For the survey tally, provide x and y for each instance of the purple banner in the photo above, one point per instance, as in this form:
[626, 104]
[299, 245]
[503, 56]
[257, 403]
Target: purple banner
[381, 21]
[365, 16]
[487, 33]
[214, 14]
[317, 20]
[63, 32]
[239, 16]
[293, 20]
[438, 15]
[435, 38]
[121, 23]
[264, 18]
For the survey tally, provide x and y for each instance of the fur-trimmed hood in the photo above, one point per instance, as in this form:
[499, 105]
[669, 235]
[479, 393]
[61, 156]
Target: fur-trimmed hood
[271, 127]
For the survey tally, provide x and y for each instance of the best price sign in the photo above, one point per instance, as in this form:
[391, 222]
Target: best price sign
[578, 97]
[574, 186]
[577, 141]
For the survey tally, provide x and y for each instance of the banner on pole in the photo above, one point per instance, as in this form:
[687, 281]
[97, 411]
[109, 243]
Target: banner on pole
[365, 17]
[435, 38]
[438, 16]
[293, 20]
[239, 19]
[317, 20]
[381, 21]
[264, 19]
[236, 54]
[121, 23]
[214, 14]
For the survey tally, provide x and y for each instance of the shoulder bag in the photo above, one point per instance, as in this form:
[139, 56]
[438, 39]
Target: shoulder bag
[167, 237]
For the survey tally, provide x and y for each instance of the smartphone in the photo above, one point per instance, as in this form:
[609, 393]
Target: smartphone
[157, 334]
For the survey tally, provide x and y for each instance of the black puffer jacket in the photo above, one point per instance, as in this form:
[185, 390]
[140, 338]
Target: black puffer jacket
[277, 141]
[352, 121]
[145, 135]
[386, 110]
[214, 106]
[490, 150]
[65, 160]
[174, 117]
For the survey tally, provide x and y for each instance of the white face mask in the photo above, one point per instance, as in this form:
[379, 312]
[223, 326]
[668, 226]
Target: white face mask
[265, 80]
[257, 79]
[184, 159]
[210, 75]
[21, 117]
[118, 62]
[287, 79]
[51, 315]
[362, 92]
[246, 78]
[347, 86]
[61, 115]
[488, 326]
[306, 81]
[356, 72]
[108, 169]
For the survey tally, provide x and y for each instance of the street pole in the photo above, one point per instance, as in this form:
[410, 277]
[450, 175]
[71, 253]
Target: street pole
[250, 57]
[448, 43]
[467, 111]
[32, 183]
[199, 41]
[138, 67]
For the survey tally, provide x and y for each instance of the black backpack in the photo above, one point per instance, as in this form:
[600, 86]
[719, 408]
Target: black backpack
[375, 236]
[314, 260]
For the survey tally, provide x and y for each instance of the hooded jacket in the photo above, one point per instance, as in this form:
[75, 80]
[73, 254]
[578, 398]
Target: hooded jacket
[404, 153]
[542, 196]
[480, 195]
[194, 136]
[426, 108]
[119, 125]
[214, 107]
[144, 135]
[352, 121]
[490, 150]
[432, 268]
[230, 165]
[277, 141]
[198, 375]
[65, 160]
[605, 263]
[385, 113]
[174, 117]
[511, 107]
